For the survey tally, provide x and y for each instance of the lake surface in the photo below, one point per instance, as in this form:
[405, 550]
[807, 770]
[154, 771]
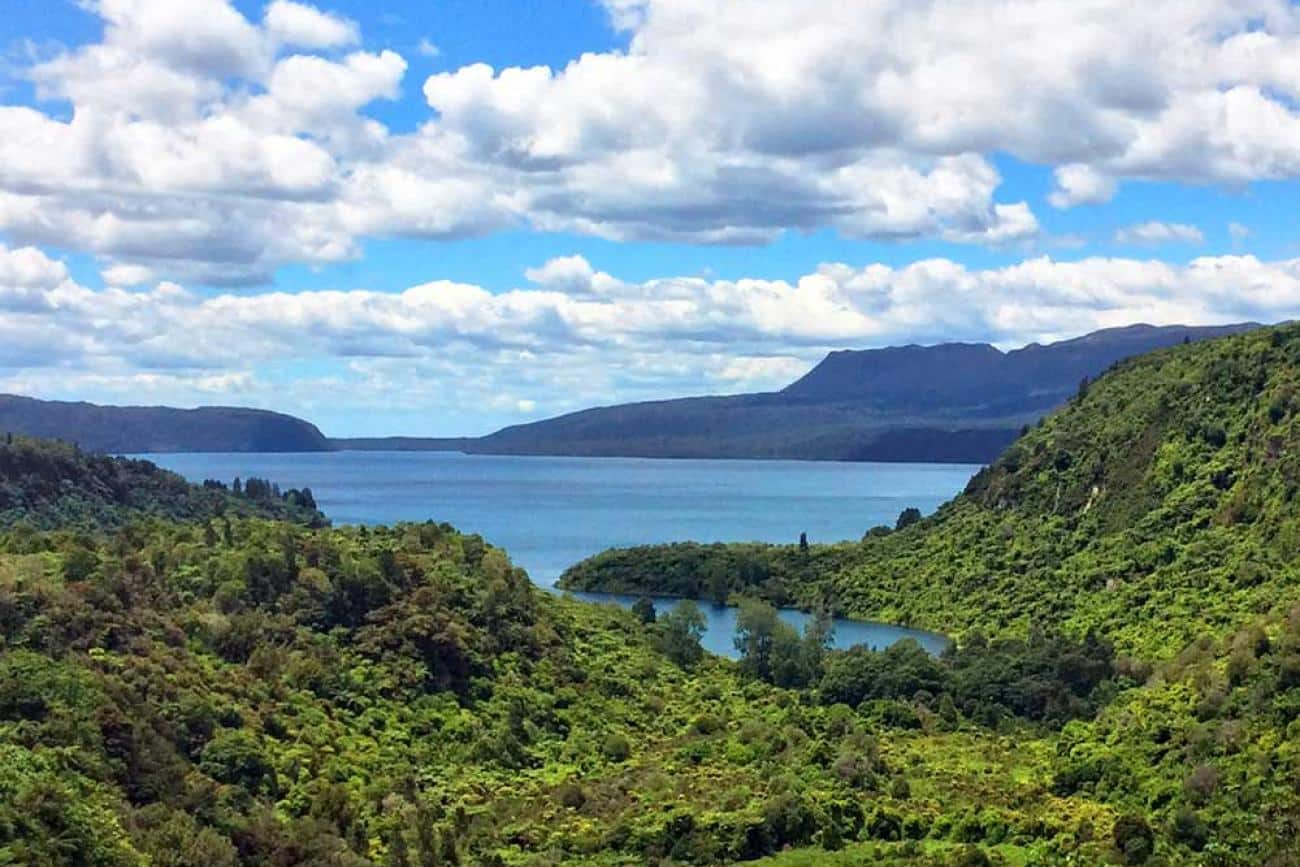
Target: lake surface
[550, 512]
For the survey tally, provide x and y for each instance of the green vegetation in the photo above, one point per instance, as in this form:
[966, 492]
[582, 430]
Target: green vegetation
[405, 696]
[178, 689]
[46, 484]
[1158, 506]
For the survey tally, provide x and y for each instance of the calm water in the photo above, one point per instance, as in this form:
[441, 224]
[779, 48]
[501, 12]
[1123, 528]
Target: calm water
[550, 512]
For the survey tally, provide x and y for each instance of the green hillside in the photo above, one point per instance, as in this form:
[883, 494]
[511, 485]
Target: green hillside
[404, 696]
[1125, 689]
[46, 484]
[1159, 505]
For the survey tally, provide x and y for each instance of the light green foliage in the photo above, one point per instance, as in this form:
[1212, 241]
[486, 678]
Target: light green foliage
[1125, 690]
[1157, 506]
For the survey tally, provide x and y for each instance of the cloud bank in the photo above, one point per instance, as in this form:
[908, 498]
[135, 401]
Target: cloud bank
[573, 335]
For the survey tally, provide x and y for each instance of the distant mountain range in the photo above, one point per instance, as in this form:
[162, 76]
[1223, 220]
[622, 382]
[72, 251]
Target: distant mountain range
[958, 402]
[139, 429]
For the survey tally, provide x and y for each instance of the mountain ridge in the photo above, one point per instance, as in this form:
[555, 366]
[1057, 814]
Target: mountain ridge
[1168, 485]
[962, 401]
[948, 402]
[144, 429]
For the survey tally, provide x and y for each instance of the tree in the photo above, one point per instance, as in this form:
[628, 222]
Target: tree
[755, 630]
[803, 542]
[644, 609]
[907, 517]
[1134, 839]
[680, 631]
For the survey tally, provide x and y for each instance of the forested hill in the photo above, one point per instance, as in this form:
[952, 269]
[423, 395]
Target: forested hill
[1159, 505]
[48, 484]
[951, 402]
[141, 429]
[259, 693]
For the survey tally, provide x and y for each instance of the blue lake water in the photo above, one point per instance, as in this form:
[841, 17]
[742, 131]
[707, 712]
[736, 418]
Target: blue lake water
[550, 512]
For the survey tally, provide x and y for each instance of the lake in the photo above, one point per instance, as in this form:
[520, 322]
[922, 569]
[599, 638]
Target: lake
[550, 512]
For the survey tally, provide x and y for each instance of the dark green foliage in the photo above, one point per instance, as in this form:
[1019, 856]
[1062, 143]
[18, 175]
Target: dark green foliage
[907, 518]
[644, 609]
[1134, 839]
[772, 650]
[45, 484]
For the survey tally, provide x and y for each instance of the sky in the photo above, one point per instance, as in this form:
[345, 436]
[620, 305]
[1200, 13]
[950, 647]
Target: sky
[441, 217]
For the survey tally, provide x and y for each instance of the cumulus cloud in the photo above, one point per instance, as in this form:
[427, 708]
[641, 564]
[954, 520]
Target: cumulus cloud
[574, 336]
[209, 147]
[1078, 184]
[1155, 232]
[308, 27]
[29, 268]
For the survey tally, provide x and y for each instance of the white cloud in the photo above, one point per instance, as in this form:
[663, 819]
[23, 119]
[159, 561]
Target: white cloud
[576, 336]
[192, 141]
[29, 268]
[1238, 232]
[127, 275]
[428, 48]
[308, 27]
[1155, 232]
[1078, 184]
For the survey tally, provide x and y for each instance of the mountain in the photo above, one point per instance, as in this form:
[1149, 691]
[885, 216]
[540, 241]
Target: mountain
[140, 429]
[1160, 504]
[954, 402]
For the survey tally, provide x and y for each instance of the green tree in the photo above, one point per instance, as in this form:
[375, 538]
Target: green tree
[906, 518]
[1134, 839]
[644, 609]
[679, 633]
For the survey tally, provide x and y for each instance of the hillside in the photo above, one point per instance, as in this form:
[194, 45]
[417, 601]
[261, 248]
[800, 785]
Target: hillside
[277, 695]
[1157, 506]
[403, 696]
[46, 485]
[950, 402]
[143, 429]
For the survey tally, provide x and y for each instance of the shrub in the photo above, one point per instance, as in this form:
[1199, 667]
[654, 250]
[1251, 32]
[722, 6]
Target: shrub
[616, 748]
[1133, 839]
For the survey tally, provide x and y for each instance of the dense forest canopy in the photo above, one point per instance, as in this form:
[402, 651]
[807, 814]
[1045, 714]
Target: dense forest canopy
[209, 675]
[49, 484]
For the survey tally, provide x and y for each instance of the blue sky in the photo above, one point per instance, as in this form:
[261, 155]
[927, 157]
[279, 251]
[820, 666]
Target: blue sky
[338, 211]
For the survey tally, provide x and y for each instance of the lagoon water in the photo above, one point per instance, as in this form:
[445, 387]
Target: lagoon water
[550, 512]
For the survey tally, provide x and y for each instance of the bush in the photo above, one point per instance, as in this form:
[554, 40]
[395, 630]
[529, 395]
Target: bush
[235, 757]
[616, 748]
[1133, 839]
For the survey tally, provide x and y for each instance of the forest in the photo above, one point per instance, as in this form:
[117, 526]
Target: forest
[213, 675]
